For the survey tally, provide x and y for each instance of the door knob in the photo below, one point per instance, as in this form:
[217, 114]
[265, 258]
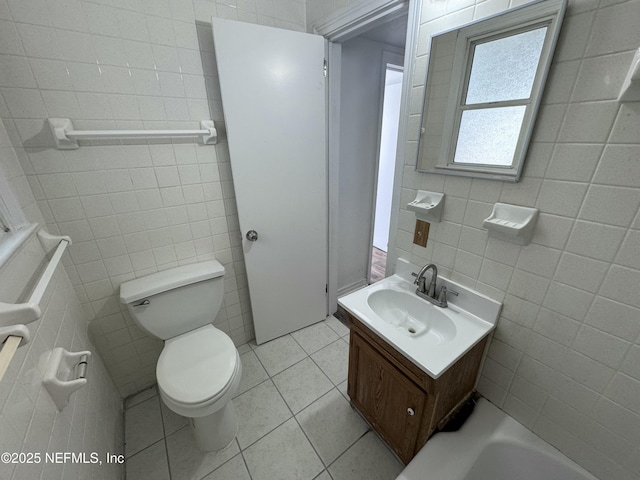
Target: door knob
[410, 411]
[252, 235]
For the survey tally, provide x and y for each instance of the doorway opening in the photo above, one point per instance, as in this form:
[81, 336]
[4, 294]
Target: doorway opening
[357, 41]
[390, 119]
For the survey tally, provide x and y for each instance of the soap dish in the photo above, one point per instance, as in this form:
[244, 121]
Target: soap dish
[427, 205]
[511, 223]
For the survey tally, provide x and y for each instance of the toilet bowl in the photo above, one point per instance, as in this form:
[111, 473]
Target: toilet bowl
[199, 368]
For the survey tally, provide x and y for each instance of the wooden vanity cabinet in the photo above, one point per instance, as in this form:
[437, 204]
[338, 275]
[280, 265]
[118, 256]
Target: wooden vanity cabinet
[400, 401]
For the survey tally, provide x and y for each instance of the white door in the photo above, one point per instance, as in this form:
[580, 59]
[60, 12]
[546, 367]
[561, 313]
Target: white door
[273, 96]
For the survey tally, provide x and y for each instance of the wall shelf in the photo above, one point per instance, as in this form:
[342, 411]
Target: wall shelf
[427, 205]
[511, 223]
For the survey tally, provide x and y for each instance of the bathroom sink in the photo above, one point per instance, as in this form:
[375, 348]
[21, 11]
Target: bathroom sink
[412, 316]
[432, 337]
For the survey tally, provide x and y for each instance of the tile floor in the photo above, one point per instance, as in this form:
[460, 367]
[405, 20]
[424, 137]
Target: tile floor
[295, 421]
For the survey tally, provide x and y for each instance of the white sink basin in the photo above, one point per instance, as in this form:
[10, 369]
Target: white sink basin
[412, 316]
[433, 338]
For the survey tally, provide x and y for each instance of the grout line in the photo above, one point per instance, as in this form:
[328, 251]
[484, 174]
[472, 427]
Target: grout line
[246, 465]
[293, 415]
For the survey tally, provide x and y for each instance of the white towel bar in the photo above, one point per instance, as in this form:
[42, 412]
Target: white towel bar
[67, 138]
[14, 316]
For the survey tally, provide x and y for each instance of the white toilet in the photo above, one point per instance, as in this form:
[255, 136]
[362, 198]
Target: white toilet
[199, 369]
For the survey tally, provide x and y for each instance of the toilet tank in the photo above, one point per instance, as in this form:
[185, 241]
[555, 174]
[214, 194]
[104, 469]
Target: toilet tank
[175, 301]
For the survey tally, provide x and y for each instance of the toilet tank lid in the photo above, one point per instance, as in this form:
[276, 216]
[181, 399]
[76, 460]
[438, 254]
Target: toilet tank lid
[159, 282]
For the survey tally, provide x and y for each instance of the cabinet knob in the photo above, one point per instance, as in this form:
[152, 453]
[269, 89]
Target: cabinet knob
[410, 411]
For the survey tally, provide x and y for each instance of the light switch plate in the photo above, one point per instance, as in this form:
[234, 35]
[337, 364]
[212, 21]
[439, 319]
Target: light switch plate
[421, 233]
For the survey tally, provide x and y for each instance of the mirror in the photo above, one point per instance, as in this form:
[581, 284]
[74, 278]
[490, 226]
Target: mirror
[483, 90]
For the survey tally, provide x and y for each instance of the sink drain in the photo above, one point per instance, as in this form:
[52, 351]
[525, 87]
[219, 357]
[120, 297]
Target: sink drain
[411, 330]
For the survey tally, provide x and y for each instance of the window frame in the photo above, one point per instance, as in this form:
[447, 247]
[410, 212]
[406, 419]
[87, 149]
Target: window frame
[547, 13]
[14, 227]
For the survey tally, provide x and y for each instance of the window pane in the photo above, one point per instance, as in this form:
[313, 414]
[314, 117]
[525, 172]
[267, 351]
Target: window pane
[489, 136]
[513, 60]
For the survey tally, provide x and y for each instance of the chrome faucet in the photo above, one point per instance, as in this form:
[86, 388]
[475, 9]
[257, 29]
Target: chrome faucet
[420, 280]
[429, 293]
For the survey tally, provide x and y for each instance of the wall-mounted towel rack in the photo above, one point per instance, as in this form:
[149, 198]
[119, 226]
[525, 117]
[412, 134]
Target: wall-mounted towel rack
[14, 316]
[67, 137]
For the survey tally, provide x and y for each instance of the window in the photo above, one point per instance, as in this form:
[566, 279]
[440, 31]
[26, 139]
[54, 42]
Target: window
[483, 92]
[498, 107]
[11, 217]
[13, 226]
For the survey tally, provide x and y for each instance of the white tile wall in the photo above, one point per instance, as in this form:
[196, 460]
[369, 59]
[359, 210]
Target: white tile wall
[29, 420]
[130, 208]
[319, 11]
[564, 359]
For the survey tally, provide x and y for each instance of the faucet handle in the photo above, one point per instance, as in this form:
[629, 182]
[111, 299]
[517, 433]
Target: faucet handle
[452, 292]
[442, 296]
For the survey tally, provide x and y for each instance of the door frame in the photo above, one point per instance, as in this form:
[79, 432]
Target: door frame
[349, 23]
[388, 58]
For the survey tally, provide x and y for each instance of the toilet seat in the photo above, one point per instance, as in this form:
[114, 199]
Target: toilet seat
[198, 367]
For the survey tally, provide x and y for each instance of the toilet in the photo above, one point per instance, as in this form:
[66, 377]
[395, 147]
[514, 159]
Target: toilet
[199, 369]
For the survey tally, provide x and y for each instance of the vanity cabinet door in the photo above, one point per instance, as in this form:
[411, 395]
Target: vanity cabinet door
[391, 402]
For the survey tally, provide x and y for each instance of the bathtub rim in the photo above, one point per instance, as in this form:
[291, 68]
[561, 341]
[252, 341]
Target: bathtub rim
[486, 424]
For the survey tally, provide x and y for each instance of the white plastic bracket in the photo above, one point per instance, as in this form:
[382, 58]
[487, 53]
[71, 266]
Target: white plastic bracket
[65, 374]
[15, 331]
[50, 242]
[212, 137]
[14, 314]
[59, 128]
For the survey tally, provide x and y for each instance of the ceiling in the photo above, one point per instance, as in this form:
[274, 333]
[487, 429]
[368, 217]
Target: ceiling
[393, 32]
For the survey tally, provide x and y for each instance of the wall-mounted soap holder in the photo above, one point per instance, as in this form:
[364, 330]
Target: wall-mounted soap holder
[66, 373]
[511, 223]
[427, 205]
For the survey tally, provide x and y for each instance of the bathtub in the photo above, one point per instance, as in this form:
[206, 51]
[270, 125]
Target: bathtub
[491, 446]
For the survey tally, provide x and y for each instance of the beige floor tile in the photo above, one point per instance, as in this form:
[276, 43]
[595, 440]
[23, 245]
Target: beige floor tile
[279, 354]
[253, 372]
[140, 397]
[149, 463]
[259, 411]
[186, 462]
[284, 454]
[171, 420]
[334, 361]
[337, 326]
[302, 384]
[331, 425]
[143, 426]
[315, 337]
[367, 459]
[234, 469]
